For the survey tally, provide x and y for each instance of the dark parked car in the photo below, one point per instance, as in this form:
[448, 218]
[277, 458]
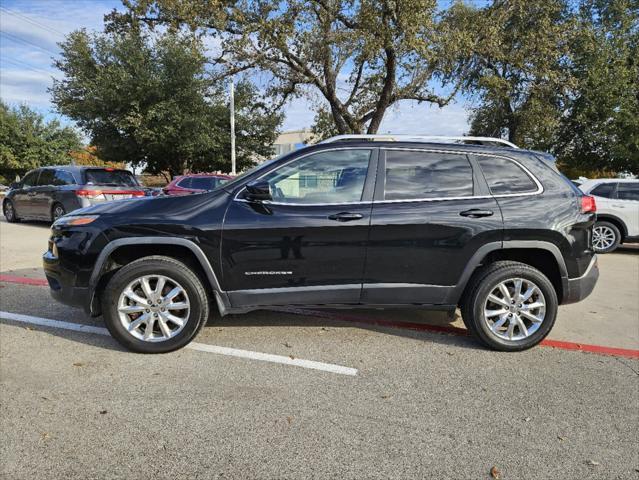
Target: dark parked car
[195, 183]
[50, 192]
[349, 223]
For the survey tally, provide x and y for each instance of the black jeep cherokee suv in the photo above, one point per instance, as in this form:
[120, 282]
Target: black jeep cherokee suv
[498, 232]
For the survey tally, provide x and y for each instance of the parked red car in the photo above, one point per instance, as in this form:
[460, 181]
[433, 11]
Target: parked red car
[195, 183]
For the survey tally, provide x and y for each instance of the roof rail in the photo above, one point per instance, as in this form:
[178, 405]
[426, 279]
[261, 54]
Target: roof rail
[420, 138]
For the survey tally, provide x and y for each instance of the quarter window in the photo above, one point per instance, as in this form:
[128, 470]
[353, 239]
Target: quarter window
[63, 178]
[504, 176]
[605, 190]
[412, 175]
[336, 176]
[628, 191]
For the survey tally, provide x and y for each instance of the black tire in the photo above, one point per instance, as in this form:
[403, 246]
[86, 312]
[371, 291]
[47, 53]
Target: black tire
[174, 270]
[482, 284]
[57, 210]
[9, 211]
[609, 229]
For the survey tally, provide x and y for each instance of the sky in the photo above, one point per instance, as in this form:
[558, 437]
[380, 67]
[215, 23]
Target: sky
[31, 29]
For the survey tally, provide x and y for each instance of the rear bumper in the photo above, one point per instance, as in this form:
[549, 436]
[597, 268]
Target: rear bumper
[579, 288]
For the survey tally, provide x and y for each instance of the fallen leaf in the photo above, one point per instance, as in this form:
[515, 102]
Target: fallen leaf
[385, 396]
[287, 345]
[593, 463]
[30, 328]
[289, 420]
[450, 353]
[527, 419]
[494, 473]
[78, 364]
[291, 357]
[44, 436]
[44, 398]
[103, 412]
[560, 438]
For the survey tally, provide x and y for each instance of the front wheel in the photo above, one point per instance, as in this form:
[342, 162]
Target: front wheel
[57, 211]
[510, 306]
[155, 305]
[9, 212]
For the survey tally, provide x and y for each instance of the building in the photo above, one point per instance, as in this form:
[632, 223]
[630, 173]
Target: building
[292, 140]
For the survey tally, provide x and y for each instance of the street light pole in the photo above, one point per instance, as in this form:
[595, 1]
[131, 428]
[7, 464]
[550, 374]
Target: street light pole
[232, 102]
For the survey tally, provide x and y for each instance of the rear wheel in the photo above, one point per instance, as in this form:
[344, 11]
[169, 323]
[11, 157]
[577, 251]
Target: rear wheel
[155, 305]
[9, 211]
[510, 306]
[605, 237]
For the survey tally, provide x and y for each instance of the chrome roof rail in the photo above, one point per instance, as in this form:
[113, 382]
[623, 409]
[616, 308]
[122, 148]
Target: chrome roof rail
[421, 138]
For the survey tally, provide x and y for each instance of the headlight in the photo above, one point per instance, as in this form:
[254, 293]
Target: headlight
[70, 220]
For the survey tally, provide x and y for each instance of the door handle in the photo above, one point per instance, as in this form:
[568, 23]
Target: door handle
[345, 216]
[476, 213]
[616, 205]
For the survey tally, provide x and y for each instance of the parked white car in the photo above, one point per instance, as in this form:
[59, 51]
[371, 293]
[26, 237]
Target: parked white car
[617, 212]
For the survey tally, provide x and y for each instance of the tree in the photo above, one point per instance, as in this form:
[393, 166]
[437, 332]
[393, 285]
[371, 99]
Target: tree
[513, 61]
[148, 100]
[600, 130]
[360, 56]
[88, 157]
[27, 141]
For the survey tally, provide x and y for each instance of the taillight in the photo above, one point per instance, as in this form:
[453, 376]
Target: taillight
[588, 204]
[89, 193]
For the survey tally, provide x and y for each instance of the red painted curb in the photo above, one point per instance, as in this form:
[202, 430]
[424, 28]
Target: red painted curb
[23, 280]
[582, 347]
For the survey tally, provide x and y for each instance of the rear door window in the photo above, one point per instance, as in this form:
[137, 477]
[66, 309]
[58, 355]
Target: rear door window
[628, 191]
[505, 176]
[109, 177]
[414, 175]
[203, 183]
[605, 190]
[46, 177]
[63, 178]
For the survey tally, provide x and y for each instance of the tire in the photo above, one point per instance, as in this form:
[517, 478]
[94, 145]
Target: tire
[487, 328]
[606, 237]
[9, 212]
[137, 337]
[57, 210]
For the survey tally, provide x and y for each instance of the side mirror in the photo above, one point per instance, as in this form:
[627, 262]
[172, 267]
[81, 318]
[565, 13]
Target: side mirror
[258, 191]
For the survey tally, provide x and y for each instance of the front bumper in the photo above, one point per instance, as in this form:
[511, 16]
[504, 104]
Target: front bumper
[579, 288]
[62, 284]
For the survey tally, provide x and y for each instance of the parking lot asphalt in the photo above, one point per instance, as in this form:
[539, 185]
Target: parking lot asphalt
[420, 405]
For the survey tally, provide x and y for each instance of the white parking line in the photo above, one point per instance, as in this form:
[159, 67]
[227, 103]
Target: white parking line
[202, 347]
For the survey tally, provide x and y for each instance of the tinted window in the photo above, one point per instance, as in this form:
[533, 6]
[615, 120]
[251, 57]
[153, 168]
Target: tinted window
[628, 191]
[204, 183]
[63, 178]
[30, 178]
[116, 178]
[504, 176]
[46, 177]
[185, 183]
[413, 175]
[605, 190]
[328, 177]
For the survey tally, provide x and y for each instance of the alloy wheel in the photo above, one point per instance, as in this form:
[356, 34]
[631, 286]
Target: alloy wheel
[8, 211]
[58, 211]
[603, 237]
[515, 309]
[153, 308]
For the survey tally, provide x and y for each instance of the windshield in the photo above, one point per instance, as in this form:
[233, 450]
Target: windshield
[113, 178]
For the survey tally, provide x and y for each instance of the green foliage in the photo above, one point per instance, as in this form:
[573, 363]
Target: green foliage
[27, 141]
[601, 128]
[358, 56]
[147, 100]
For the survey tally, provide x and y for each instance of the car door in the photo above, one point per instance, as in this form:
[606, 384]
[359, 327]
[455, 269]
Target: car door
[627, 206]
[431, 213]
[307, 245]
[23, 198]
[43, 194]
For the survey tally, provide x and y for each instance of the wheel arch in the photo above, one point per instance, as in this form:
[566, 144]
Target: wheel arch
[544, 256]
[122, 251]
[616, 221]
